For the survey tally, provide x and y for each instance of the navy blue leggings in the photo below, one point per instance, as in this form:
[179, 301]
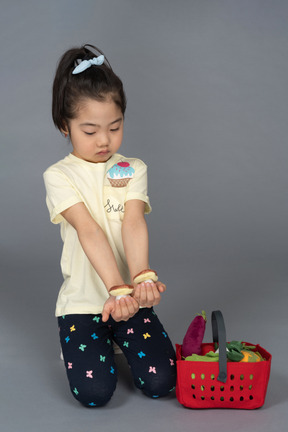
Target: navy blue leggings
[89, 357]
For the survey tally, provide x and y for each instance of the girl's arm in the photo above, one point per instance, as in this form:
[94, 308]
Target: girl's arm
[136, 246]
[100, 254]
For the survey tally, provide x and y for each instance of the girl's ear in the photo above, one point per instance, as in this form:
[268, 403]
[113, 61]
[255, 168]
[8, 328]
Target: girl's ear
[65, 132]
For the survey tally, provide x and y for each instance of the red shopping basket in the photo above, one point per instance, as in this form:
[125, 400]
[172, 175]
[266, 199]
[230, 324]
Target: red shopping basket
[235, 385]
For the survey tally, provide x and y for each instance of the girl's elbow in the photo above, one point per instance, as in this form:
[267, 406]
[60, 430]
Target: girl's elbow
[87, 232]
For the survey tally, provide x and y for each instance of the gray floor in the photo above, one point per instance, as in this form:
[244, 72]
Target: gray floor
[34, 392]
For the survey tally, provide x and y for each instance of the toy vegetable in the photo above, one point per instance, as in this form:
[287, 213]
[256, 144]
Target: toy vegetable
[251, 357]
[209, 357]
[194, 336]
[238, 351]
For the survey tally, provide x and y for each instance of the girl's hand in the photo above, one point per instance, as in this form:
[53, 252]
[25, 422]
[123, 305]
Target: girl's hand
[148, 294]
[120, 310]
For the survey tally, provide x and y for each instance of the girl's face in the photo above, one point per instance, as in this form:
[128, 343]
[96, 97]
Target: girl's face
[97, 131]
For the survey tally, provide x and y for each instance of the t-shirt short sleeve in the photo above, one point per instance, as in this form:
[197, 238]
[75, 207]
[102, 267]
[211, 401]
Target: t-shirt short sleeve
[138, 186]
[60, 194]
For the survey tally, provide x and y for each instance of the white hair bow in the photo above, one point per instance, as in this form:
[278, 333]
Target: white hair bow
[85, 64]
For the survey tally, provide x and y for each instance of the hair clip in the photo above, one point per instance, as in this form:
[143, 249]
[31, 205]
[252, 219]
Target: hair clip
[86, 64]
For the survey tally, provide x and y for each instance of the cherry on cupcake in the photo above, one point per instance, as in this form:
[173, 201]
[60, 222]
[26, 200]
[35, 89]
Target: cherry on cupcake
[123, 164]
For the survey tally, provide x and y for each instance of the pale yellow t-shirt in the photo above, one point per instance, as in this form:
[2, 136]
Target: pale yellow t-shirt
[103, 188]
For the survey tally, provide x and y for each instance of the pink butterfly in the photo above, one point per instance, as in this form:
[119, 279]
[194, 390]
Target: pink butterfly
[152, 369]
[171, 362]
[146, 320]
[89, 374]
[130, 331]
[70, 365]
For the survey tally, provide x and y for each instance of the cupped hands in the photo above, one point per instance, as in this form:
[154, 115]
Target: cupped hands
[148, 294]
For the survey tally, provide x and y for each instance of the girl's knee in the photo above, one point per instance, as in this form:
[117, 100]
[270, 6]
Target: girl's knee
[93, 396]
[158, 386]
[156, 391]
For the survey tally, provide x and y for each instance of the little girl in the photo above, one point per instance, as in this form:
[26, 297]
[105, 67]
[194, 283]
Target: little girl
[99, 198]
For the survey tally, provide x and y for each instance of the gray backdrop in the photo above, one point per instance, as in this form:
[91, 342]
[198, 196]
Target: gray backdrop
[206, 82]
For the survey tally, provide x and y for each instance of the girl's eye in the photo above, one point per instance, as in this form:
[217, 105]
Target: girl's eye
[89, 133]
[114, 130]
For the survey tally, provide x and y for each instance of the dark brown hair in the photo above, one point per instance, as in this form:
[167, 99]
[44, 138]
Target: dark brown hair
[96, 82]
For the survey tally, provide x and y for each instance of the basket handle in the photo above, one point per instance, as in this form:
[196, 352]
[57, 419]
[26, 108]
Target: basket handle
[219, 335]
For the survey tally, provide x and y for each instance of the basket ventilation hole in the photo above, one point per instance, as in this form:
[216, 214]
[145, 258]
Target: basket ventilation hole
[250, 387]
[241, 398]
[251, 377]
[212, 388]
[193, 386]
[222, 388]
[202, 376]
[231, 399]
[222, 399]
[241, 377]
[202, 388]
[232, 377]
[232, 388]
[251, 397]
[212, 377]
[193, 376]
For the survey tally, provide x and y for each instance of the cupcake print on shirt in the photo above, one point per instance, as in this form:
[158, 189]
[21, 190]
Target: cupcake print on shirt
[120, 174]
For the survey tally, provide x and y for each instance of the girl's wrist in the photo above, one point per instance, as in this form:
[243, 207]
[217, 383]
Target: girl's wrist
[113, 281]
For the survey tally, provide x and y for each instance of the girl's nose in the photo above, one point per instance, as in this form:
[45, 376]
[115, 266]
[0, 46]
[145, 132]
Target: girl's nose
[103, 140]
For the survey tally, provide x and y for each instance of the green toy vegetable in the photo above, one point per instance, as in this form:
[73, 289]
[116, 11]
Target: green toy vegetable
[209, 357]
[238, 351]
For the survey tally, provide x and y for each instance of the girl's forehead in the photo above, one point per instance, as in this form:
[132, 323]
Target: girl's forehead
[102, 110]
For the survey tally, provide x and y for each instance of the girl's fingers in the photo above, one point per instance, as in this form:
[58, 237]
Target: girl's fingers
[143, 294]
[105, 316]
[107, 309]
[150, 295]
[131, 306]
[146, 294]
[125, 308]
[161, 286]
[120, 310]
[156, 295]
